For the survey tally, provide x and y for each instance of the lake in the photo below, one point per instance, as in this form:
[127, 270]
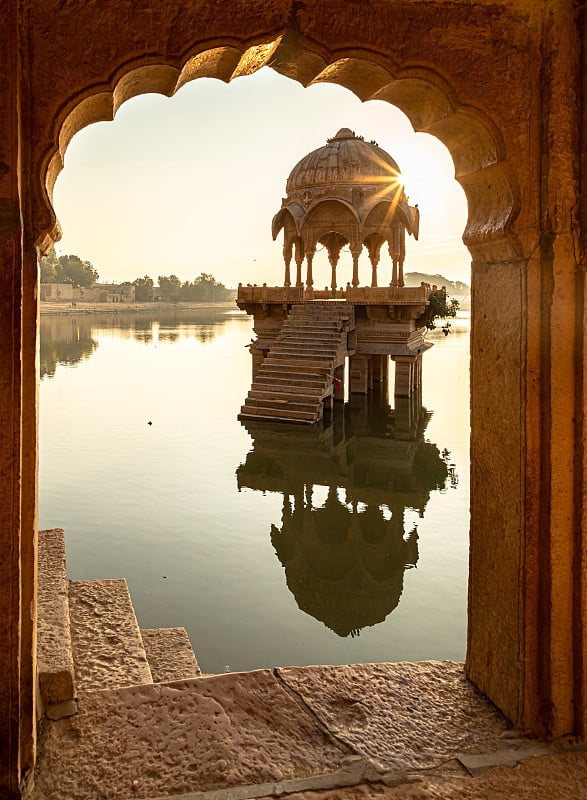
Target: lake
[272, 545]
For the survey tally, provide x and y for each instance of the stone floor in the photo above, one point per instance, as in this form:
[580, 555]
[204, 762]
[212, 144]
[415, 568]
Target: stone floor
[128, 715]
[319, 733]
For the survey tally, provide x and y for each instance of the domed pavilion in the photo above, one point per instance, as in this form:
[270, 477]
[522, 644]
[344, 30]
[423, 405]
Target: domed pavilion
[348, 192]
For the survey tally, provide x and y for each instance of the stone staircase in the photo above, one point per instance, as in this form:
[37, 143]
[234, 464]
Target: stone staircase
[296, 377]
[89, 638]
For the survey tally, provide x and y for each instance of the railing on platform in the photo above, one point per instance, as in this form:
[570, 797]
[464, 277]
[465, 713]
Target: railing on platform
[361, 295]
[270, 294]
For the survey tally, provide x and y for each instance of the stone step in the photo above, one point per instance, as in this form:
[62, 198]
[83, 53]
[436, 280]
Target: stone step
[108, 650]
[54, 648]
[286, 385]
[302, 326]
[284, 402]
[170, 654]
[305, 347]
[299, 337]
[285, 369]
[283, 395]
[305, 360]
[303, 381]
[266, 412]
[286, 388]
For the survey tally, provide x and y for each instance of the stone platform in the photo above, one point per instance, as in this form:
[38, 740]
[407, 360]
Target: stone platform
[319, 733]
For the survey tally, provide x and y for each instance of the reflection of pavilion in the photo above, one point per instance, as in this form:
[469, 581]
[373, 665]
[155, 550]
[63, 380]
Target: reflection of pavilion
[345, 558]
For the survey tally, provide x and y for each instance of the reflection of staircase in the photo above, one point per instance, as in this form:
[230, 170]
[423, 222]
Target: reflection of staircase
[89, 638]
[296, 376]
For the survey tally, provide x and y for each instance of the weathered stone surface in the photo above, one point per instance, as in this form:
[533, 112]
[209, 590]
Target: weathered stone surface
[210, 733]
[54, 654]
[170, 654]
[400, 716]
[547, 778]
[107, 646]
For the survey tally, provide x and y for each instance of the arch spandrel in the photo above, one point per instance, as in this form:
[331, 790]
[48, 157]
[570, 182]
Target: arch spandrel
[299, 51]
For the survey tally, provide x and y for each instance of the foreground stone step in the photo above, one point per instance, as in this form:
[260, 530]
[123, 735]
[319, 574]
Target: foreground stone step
[108, 649]
[261, 734]
[54, 649]
[240, 732]
[170, 654]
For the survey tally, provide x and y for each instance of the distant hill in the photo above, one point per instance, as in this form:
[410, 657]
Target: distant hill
[453, 288]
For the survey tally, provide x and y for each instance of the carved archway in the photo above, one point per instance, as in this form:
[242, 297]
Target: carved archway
[490, 184]
[431, 105]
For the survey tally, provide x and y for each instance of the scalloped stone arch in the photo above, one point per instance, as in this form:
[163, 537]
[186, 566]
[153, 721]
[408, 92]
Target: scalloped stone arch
[476, 146]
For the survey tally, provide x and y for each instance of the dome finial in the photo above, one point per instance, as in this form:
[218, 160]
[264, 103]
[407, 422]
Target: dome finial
[344, 133]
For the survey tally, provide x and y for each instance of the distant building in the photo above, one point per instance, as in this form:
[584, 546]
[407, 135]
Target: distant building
[57, 292]
[109, 293]
[98, 293]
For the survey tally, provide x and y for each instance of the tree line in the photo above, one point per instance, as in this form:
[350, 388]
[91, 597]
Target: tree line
[71, 269]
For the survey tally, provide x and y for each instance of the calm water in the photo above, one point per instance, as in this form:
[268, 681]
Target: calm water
[272, 546]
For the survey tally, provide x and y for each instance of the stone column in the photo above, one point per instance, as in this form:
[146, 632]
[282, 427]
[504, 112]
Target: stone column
[356, 252]
[299, 259]
[527, 644]
[404, 375]
[309, 278]
[287, 254]
[359, 374]
[339, 383]
[18, 434]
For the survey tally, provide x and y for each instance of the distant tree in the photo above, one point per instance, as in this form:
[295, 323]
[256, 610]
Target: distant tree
[170, 286]
[48, 266]
[206, 287]
[143, 289]
[67, 269]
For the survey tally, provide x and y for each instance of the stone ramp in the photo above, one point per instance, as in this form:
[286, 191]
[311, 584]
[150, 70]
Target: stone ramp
[266, 733]
[295, 378]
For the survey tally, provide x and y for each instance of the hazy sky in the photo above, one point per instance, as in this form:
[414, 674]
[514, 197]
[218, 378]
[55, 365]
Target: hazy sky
[190, 184]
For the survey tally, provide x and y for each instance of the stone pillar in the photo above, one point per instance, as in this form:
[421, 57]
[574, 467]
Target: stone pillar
[18, 435]
[309, 277]
[527, 644]
[287, 254]
[339, 383]
[299, 259]
[359, 374]
[379, 366]
[404, 375]
[394, 273]
[356, 252]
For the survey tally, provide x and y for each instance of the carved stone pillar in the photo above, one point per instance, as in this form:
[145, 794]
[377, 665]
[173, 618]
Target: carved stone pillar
[309, 276]
[356, 252]
[287, 254]
[299, 259]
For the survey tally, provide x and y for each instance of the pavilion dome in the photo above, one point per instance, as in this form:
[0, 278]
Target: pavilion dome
[345, 159]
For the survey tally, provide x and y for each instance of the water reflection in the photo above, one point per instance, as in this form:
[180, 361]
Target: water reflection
[64, 340]
[69, 339]
[346, 488]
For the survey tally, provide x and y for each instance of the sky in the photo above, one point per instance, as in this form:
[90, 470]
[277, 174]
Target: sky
[190, 184]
